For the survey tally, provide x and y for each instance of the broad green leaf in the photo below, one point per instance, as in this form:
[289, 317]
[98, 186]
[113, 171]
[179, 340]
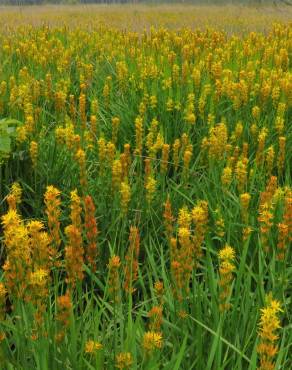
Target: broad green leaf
[5, 143]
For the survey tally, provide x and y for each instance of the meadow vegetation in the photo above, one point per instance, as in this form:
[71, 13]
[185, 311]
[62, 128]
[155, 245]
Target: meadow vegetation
[145, 188]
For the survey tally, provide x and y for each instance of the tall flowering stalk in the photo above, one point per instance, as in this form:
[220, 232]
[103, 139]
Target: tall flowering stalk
[131, 269]
[33, 151]
[164, 158]
[155, 316]
[266, 208]
[114, 278]
[182, 261]
[283, 231]
[39, 282]
[241, 175]
[18, 262]
[139, 135]
[126, 160]
[3, 294]
[64, 309]
[261, 145]
[53, 212]
[40, 248]
[91, 230]
[175, 153]
[150, 187]
[14, 197]
[124, 360]
[268, 327]
[187, 156]
[168, 218]
[82, 110]
[125, 193]
[226, 176]
[115, 129]
[102, 154]
[226, 259]
[74, 255]
[116, 175]
[81, 160]
[244, 203]
[281, 154]
[152, 341]
[200, 219]
[74, 251]
[76, 209]
[287, 217]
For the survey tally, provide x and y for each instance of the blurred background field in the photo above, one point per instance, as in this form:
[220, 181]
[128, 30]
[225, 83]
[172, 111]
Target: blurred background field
[136, 17]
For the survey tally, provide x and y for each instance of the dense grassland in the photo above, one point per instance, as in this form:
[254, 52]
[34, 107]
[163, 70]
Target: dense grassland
[145, 188]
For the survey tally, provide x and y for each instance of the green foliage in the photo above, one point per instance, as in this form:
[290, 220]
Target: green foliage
[8, 128]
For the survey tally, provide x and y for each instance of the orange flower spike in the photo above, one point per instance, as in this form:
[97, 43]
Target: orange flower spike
[74, 255]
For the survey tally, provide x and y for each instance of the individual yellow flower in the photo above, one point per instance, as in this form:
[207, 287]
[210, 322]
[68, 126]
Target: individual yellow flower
[39, 277]
[152, 340]
[92, 346]
[227, 253]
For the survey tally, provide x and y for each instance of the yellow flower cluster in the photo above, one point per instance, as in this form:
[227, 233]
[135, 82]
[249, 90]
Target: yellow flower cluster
[268, 327]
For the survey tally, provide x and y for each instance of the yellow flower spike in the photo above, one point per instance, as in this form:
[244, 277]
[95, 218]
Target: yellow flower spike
[131, 268]
[82, 110]
[175, 150]
[81, 159]
[150, 187]
[116, 174]
[241, 175]
[14, 197]
[226, 176]
[76, 209]
[244, 202]
[226, 259]
[53, 212]
[33, 150]
[269, 325]
[111, 153]
[261, 144]
[138, 135]
[114, 278]
[125, 192]
[168, 218]
[115, 128]
[200, 218]
[270, 155]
